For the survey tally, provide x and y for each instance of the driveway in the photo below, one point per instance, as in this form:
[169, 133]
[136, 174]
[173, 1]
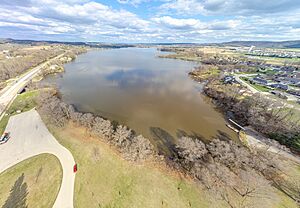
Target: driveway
[30, 137]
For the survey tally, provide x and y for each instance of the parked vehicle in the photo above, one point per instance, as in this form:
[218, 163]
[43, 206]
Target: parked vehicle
[5, 137]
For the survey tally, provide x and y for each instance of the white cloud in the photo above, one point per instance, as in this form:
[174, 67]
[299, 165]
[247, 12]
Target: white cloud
[195, 24]
[173, 23]
[132, 2]
[92, 21]
[230, 7]
[78, 16]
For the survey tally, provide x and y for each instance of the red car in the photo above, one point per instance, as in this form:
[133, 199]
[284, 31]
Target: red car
[75, 168]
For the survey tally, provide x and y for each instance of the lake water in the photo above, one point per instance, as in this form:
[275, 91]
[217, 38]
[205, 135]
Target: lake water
[151, 95]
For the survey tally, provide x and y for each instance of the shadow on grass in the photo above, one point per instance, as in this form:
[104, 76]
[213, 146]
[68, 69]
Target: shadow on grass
[18, 194]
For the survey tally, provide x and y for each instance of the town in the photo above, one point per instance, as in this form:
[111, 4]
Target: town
[283, 81]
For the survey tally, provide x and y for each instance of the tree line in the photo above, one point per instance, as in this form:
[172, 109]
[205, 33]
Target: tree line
[19, 60]
[228, 169]
[133, 147]
[265, 115]
[16, 65]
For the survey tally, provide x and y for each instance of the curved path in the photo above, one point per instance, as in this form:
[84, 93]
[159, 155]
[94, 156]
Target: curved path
[30, 137]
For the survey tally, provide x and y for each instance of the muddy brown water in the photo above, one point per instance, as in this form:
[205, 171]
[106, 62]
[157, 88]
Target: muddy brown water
[154, 96]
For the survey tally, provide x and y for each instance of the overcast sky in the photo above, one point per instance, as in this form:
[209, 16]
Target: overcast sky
[126, 21]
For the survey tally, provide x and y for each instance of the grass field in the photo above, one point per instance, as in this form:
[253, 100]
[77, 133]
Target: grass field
[34, 182]
[279, 61]
[104, 179]
[23, 102]
[260, 87]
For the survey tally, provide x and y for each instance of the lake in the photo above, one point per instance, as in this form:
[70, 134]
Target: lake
[152, 95]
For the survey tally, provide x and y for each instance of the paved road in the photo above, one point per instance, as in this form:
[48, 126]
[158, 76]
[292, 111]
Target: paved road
[30, 137]
[253, 90]
[9, 92]
[238, 79]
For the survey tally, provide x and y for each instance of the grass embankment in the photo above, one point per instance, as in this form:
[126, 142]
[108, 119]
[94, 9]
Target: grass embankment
[104, 179]
[35, 181]
[23, 102]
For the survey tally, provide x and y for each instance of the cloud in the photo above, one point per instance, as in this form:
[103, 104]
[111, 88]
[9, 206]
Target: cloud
[91, 13]
[154, 21]
[195, 24]
[230, 7]
[173, 23]
[77, 16]
[132, 2]
[16, 2]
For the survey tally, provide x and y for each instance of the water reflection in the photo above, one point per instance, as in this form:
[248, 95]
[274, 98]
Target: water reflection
[131, 78]
[154, 96]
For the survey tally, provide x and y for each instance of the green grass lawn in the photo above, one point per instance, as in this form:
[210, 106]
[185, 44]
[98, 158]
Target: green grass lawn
[256, 86]
[260, 87]
[23, 102]
[269, 72]
[35, 181]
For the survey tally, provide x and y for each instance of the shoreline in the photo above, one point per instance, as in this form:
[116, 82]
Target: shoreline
[209, 162]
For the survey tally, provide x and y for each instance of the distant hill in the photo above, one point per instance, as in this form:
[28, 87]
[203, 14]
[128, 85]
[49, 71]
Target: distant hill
[262, 44]
[91, 44]
[265, 44]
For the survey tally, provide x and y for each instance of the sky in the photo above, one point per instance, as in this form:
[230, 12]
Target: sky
[150, 21]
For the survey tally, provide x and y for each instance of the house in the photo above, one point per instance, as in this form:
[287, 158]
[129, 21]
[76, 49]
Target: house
[297, 75]
[229, 79]
[279, 86]
[260, 81]
[293, 81]
[53, 67]
[287, 68]
[279, 94]
[294, 92]
[276, 68]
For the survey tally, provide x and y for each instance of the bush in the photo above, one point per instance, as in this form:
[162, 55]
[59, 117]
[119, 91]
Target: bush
[102, 128]
[195, 156]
